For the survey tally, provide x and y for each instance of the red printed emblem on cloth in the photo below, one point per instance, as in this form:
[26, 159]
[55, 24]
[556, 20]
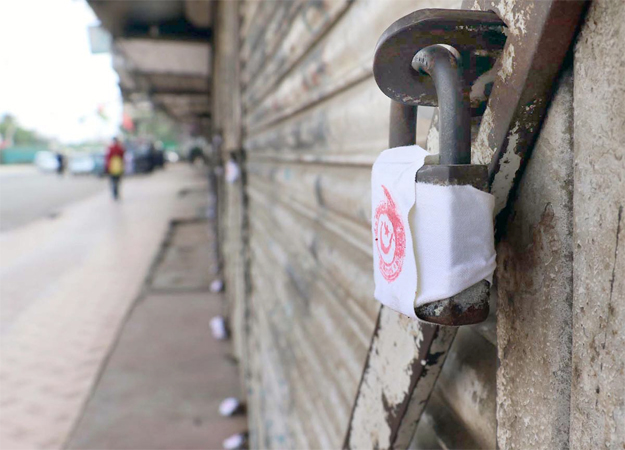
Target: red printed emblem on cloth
[390, 238]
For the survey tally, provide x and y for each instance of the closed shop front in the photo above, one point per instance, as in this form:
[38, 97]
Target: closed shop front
[297, 109]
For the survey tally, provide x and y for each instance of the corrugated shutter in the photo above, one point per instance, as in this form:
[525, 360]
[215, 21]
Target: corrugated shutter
[313, 123]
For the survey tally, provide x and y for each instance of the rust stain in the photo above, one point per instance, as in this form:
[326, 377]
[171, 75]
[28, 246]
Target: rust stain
[517, 257]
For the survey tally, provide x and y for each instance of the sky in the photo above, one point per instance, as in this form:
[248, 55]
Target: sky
[49, 79]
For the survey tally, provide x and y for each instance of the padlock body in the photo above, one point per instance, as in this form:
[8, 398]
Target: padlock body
[471, 305]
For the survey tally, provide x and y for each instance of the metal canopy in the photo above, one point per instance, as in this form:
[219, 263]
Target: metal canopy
[162, 52]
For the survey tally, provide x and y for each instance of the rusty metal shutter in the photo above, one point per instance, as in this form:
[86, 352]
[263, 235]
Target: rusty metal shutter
[313, 123]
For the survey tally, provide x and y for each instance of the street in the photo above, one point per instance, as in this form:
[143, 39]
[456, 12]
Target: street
[27, 194]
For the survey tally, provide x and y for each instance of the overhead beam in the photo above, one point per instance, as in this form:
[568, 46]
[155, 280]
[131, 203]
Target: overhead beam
[182, 75]
[170, 30]
[168, 92]
[180, 92]
[153, 19]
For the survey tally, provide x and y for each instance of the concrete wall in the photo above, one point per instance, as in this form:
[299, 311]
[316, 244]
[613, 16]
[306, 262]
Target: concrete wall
[561, 264]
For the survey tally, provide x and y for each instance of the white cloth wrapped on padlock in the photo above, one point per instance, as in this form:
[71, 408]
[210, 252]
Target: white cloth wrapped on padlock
[430, 242]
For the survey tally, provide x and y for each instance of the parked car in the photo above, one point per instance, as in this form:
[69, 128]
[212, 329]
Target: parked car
[99, 168]
[159, 158]
[81, 164]
[46, 161]
[142, 159]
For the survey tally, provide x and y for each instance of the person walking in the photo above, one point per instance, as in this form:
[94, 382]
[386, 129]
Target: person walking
[60, 159]
[115, 165]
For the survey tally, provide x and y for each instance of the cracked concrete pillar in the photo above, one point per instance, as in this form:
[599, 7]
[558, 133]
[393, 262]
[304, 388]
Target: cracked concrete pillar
[535, 287]
[598, 382]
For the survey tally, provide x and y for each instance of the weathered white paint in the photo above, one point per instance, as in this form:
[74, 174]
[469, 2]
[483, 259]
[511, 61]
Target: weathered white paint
[513, 16]
[481, 151]
[425, 385]
[508, 168]
[507, 62]
[388, 376]
[478, 89]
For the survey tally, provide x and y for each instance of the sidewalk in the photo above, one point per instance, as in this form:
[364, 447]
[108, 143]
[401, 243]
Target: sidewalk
[164, 380]
[66, 286]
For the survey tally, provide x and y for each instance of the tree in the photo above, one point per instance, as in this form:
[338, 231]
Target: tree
[14, 134]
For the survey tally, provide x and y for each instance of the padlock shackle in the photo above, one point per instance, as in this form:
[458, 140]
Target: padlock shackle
[403, 125]
[453, 102]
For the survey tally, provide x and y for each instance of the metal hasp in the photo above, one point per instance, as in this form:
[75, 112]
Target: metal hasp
[539, 37]
[433, 74]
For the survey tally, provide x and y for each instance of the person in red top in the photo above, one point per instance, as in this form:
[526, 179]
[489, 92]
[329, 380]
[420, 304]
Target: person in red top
[114, 164]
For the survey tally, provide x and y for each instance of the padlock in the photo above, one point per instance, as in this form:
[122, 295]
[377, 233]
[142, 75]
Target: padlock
[412, 68]
[454, 168]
